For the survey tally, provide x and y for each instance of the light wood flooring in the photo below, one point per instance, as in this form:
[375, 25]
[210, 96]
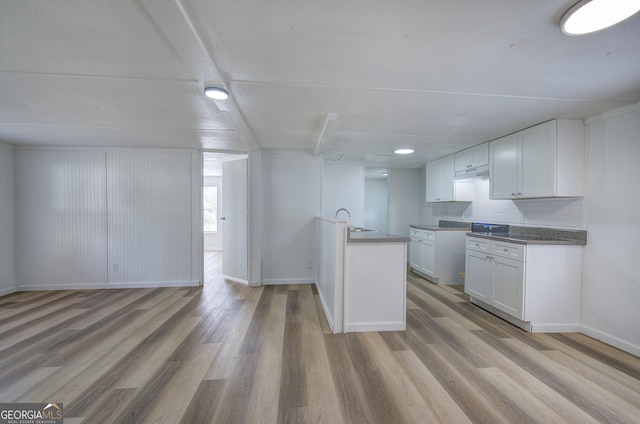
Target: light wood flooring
[227, 353]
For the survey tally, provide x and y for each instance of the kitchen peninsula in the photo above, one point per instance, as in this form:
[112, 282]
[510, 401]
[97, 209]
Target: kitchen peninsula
[361, 277]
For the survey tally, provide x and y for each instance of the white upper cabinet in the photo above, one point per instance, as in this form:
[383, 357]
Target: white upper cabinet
[440, 185]
[471, 158]
[546, 160]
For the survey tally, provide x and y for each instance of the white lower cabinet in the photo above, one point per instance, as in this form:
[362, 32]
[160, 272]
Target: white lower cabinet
[536, 287]
[415, 253]
[429, 257]
[478, 275]
[437, 255]
[494, 279]
[508, 285]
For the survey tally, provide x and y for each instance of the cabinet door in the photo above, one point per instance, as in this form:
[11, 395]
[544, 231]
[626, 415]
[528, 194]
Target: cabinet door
[538, 171]
[463, 160]
[480, 155]
[472, 158]
[433, 181]
[429, 258]
[477, 282]
[447, 173]
[508, 286]
[503, 177]
[415, 254]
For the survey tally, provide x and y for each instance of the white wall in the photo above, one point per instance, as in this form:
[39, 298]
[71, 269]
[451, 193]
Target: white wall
[150, 199]
[406, 196]
[611, 282]
[291, 193]
[91, 219]
[343, 187]
[376, 203]
[561, 213]
[61, 218]
[7, 220]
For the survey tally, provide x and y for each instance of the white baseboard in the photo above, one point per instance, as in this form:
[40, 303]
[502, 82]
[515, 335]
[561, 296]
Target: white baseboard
[7, 291]
[326, 311]
[277, 282]
[129, 285]
[375, 326]
[555, 328]
[611, 340]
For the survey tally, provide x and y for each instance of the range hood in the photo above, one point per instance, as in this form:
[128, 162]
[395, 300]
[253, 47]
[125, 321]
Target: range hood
[478, 171]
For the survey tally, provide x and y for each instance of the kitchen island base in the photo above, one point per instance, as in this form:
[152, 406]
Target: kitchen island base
[375, 287]
[361, 277]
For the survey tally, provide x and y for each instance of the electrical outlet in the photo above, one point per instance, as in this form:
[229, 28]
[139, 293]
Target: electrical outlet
[116, 267]
[310, 265]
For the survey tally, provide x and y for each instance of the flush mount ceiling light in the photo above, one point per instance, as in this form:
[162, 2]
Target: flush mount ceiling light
[216, 93]
[589, 16]
[403, 151]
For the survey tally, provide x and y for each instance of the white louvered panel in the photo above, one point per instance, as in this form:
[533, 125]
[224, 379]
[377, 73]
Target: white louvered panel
[61, 234]
[149, 201]
[7, 221]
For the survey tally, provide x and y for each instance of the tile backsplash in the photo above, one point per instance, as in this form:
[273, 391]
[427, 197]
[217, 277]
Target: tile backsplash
[562, 213]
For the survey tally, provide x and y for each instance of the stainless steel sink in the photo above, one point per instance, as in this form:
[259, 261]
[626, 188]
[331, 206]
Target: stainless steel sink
[359, 229]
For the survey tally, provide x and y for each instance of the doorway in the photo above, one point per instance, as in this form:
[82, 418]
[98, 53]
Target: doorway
[376, 202]
[225, 212]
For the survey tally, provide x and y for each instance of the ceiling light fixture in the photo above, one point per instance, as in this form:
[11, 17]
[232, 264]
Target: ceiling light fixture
[216, 93]
[589, 16]
[403, 151]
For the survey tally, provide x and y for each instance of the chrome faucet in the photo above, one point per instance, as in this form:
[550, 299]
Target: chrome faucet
[343, 209]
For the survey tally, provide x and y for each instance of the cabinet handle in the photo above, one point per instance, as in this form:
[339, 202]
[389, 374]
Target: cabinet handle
[513, 194]
[469, 166]
[519, 194]
[505, 250]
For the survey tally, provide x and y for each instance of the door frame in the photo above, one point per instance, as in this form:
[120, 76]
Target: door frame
[254, 212]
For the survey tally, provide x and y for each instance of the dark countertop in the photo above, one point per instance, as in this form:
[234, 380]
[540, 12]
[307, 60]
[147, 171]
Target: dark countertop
[444, 225]
[563, 238]
[438, 228]
[374, 237]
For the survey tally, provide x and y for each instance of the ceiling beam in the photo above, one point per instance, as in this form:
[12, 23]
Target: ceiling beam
[178, 29]
[324, 134]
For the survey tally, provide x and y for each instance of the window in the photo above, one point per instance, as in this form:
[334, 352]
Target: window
[210, 211]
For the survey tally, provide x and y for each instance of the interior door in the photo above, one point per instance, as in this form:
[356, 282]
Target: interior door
[234, 219]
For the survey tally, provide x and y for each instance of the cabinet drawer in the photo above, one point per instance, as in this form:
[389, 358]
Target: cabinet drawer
[429, 235]
[478, 244]
[508, 250]
[415, 234]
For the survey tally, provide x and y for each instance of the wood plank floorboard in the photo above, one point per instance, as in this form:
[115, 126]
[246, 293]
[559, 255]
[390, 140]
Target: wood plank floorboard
[229, 353]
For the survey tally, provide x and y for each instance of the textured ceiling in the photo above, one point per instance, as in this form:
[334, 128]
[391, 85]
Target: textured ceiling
[435, 76]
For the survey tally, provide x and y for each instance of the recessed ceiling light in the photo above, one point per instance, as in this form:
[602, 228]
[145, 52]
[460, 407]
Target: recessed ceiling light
[588, 16]
[216, 93]
[403, 151]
